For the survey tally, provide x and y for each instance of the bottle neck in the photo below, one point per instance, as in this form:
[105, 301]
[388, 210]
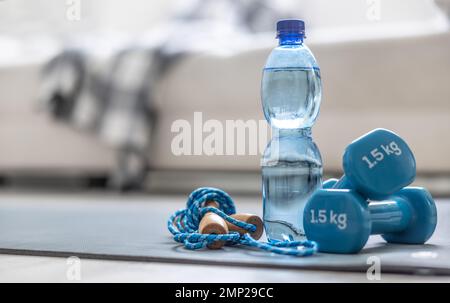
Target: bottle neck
[296, 132]
[293, 39]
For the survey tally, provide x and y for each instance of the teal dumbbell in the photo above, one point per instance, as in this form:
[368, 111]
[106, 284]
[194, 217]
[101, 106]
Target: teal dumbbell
[341, 221]
[377, 164]
[356, 171]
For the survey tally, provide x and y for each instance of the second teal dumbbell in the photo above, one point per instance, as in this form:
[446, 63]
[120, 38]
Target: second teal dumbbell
[341, 221]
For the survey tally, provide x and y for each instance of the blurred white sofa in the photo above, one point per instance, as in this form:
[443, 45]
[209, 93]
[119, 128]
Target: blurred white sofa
[392, 73]
[400, 84]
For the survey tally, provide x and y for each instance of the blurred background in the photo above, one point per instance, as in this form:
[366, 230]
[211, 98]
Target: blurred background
[90, 90]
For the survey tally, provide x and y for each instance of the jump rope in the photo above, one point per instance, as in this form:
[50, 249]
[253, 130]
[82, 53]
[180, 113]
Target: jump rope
[184, 226]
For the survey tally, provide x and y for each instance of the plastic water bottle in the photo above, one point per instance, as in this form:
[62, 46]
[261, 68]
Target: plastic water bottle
[291, 165]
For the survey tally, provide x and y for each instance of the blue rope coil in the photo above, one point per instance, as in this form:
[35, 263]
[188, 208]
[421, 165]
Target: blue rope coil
[184, 223]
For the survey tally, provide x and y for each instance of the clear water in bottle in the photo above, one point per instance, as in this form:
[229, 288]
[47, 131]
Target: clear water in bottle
[291, 96]
[291, 91]
[291, 172]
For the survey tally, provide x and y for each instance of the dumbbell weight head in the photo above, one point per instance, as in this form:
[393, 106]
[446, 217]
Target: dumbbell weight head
[338, 220]
[424, 219]
[377, 165]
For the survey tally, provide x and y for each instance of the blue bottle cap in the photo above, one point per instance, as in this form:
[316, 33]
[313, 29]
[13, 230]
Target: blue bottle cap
[290, 26]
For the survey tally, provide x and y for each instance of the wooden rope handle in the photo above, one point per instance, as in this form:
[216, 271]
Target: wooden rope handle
[212, 223]
[247, 218]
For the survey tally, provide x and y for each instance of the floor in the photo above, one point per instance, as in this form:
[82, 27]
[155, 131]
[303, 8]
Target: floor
[21, 268]
[61, 270]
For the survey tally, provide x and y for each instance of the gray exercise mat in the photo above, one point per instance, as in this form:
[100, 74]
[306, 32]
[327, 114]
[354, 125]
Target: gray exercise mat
[130, 228]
